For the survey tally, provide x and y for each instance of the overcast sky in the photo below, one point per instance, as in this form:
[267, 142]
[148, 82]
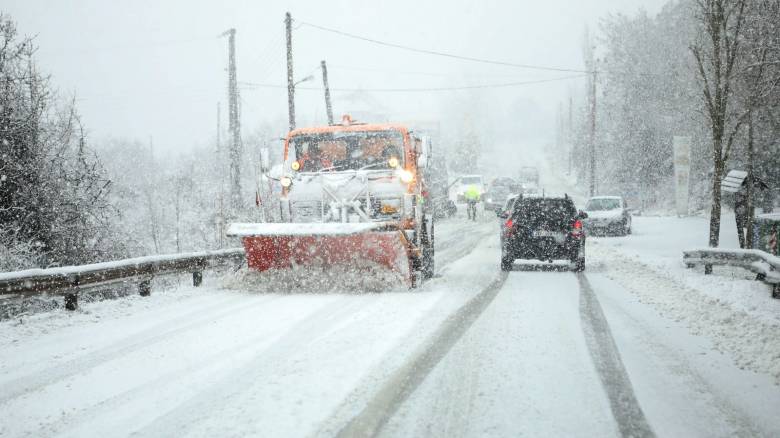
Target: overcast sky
[148, 68]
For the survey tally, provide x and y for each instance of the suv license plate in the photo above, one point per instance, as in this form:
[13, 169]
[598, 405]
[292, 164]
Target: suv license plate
[545, 233]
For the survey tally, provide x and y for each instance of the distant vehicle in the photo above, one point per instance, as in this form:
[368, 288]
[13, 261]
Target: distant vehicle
[496, 197]
[607, 215]
[445, 208]
[544, 228]
[466, 181]
[505, 181]
[529, 174]
[509, 203]
[529, 188]
[504, 212]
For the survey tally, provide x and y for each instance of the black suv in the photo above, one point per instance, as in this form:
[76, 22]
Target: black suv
[543, 228]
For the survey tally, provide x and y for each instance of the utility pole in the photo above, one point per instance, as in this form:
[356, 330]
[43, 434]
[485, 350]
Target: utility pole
[570, 133]
[328, 106]
[219, 128]
[559, 129]
[219, 167]
[592, 139]
[235, 126]
[290, 83]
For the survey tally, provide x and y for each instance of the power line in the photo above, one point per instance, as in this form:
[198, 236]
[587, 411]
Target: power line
[392, 72]
[131, 45]
[420, 90]
[442, 54]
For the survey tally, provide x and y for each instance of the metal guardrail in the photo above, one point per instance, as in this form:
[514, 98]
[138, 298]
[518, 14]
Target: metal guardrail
[70, 280]
[764, 265]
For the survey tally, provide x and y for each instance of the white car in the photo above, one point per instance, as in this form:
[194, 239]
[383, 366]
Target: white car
[607, 215]
[464, 182]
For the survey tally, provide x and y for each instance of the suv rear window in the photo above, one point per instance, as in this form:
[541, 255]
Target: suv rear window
[548, 213]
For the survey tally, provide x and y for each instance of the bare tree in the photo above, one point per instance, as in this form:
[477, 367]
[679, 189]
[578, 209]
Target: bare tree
[717, 52]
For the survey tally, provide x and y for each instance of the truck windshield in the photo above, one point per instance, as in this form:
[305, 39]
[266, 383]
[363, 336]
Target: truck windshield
[334, 151]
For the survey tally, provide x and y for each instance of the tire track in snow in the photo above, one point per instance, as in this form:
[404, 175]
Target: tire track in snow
[188, 415]
[606, 358]
[456, 247]
[405, 380]
[155, 334]
[152, 388]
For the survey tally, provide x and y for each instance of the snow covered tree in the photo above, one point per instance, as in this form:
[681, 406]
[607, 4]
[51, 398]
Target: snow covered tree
[53, 191]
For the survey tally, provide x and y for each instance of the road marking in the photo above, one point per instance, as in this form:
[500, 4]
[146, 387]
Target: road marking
[405, 380]
[606, 358]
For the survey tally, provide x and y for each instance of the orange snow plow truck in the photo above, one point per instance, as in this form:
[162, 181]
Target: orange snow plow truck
[353, 195]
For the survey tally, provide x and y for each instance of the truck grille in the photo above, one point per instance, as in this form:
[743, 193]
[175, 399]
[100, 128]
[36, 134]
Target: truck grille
[307, 211]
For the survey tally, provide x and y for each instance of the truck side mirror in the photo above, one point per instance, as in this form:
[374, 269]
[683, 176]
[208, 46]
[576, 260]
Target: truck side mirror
[423, 160]
[582, 215]
[265, 161]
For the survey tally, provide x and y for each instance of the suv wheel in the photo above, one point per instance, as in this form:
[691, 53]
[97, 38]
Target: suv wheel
[506, 262]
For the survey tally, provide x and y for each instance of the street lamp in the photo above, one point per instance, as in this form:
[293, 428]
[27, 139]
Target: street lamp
[291, 98]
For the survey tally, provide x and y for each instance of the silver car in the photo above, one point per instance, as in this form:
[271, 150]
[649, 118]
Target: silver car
[607, 215]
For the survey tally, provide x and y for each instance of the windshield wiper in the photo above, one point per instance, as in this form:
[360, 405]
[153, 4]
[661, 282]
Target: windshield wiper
[369, 166]
[328, 169]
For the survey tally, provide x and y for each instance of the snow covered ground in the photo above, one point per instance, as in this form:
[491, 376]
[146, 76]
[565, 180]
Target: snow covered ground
[638, 343]
[732, 309]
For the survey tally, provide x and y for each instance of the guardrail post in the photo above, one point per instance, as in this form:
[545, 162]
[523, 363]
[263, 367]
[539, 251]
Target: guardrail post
[71, 301]
[197, 278]
[145, 288]
[776, 291]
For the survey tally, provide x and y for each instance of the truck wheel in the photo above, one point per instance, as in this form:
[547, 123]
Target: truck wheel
[427, 262]
[427, 252]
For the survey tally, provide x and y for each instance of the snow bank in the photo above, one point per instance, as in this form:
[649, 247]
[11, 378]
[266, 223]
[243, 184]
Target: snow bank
[729, 307]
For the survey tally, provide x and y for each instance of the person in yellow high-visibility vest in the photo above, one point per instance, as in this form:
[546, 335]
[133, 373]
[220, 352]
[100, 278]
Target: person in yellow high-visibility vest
[472, 195]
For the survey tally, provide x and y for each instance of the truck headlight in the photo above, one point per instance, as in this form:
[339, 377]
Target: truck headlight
[405, 176]
[286, 181]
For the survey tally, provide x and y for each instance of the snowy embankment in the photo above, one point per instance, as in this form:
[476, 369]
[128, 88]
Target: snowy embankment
[729, 307]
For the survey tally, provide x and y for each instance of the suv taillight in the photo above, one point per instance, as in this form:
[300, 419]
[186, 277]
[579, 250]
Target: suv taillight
[576, 230]
[508, 227]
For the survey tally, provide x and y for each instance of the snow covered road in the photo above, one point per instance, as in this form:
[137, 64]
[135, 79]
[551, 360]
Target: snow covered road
[474, 352]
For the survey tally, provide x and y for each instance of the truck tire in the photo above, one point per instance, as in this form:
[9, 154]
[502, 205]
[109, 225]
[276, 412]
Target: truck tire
[427, 252]
[427, 262]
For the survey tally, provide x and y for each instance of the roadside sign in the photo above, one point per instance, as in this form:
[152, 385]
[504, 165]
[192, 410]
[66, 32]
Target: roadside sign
[682, 169]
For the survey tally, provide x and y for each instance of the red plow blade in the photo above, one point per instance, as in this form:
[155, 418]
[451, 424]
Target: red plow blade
[357, 247]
